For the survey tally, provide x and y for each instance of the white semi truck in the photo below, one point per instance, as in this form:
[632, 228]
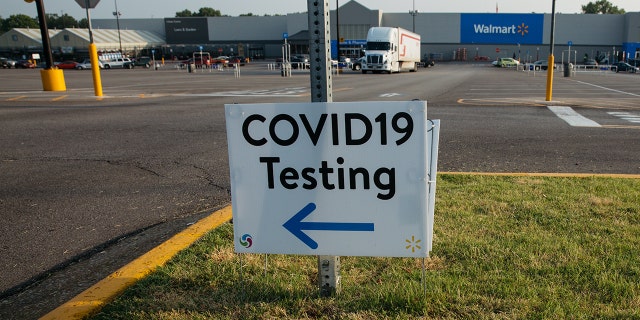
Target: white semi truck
[391, 50]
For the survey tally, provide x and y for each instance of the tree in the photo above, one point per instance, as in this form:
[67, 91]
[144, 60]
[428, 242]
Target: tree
[208, 12]
[54, 21]
[19, 21]
[202, 12]
[83, 23]
[602, 7]
[184, 13]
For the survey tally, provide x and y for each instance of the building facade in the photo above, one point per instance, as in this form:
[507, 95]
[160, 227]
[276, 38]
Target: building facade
[444, 36]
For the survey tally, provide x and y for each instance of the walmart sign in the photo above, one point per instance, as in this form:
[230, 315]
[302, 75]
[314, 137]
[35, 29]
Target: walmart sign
[501, 28]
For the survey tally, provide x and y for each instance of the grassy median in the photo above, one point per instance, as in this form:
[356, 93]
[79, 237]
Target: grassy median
[504, 247]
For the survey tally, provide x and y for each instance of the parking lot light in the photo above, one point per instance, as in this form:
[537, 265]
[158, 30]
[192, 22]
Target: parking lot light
[117, 14]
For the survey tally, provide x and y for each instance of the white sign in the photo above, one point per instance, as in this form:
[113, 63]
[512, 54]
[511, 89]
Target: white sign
[347, 179]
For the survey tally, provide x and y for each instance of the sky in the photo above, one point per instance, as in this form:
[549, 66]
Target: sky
[168, 8]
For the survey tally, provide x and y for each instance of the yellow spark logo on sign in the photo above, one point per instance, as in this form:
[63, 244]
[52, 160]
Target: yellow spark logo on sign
[413, 244]
[523, 29]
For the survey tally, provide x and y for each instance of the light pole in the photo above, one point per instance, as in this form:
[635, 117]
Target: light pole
[338, 31]
[413, 14]
[117, 14]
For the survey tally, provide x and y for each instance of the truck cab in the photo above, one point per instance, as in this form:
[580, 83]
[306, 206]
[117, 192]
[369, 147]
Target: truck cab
[391, 50]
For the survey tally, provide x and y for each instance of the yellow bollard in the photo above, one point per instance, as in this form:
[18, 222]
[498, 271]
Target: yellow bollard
[95, 70]
[550, 65]
[53, 80]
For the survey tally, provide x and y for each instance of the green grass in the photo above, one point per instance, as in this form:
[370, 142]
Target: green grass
[504, 248]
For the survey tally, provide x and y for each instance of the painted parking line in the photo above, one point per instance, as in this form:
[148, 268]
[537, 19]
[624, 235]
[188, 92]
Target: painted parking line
[573, 118]
[285, 92]
[628, 116]
[609, 89]
[16, 98]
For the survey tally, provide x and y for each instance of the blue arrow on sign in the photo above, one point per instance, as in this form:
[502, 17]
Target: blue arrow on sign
[295, 226]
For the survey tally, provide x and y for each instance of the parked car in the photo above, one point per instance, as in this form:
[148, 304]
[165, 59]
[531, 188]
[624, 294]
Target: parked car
[67, 65]
[357, 65]
[200, 62]
[623, 66]
[590, 64]
[124, 63]
[185, 64]
[223, 60]
[300, 61]
[537, 65]
[426, 62]
[143, 62]
[240, 61]
[86, 65]
[344, 62]
[507, 62]
[7, 63]
[25, 64]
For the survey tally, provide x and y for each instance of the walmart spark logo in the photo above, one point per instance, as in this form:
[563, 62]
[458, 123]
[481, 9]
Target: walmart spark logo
[523, 29]
[413, 244]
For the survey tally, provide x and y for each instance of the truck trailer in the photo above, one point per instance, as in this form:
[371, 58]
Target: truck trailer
[391, 50]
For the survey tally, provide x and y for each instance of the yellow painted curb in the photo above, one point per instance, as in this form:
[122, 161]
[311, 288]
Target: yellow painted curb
[94, 298]
[550, 174]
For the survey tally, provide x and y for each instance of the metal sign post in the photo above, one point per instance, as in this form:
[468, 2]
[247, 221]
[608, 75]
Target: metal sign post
[321, 91]
[202, 64]
[286, 57]
[320, 51]
[93, 51]
[153, 59]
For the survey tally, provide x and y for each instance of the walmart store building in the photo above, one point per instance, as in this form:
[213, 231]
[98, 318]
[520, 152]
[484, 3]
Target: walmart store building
[445, 36]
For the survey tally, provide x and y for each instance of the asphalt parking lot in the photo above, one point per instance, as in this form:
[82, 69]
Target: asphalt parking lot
[88, 183]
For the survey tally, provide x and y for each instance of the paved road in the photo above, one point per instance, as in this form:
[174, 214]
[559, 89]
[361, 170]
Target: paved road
[87, 184]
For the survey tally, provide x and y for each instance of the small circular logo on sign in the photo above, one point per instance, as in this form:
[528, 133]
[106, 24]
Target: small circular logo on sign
[246, 240]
